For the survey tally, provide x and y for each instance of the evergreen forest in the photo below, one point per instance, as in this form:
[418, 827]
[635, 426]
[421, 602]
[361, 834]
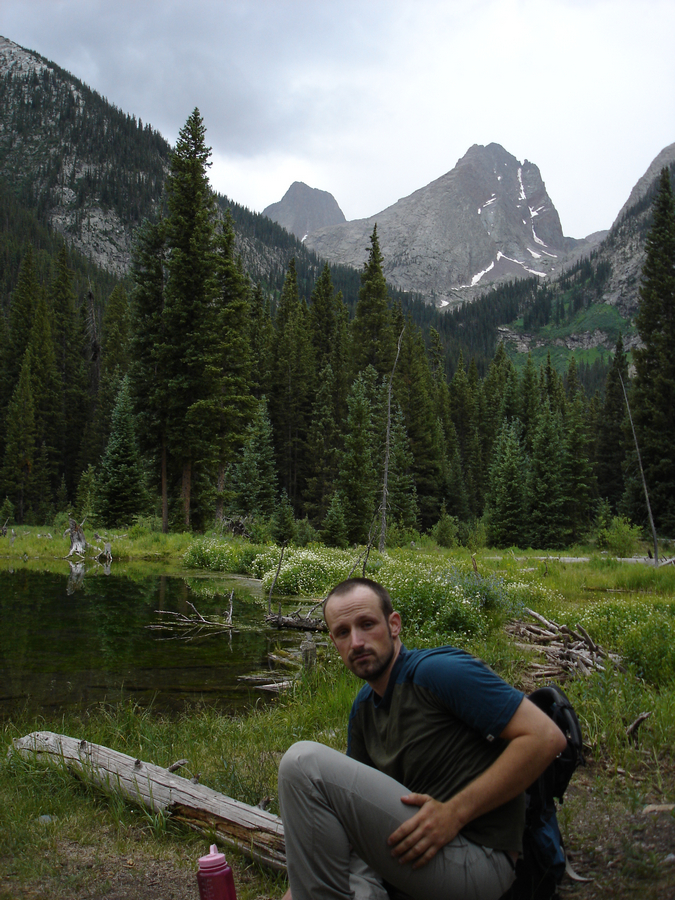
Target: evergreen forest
[191, 395]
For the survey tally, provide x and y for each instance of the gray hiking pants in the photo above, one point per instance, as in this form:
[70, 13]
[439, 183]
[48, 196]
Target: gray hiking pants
[338, 814]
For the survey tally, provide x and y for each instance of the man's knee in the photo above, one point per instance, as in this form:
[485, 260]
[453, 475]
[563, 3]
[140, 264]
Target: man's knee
[300, 761]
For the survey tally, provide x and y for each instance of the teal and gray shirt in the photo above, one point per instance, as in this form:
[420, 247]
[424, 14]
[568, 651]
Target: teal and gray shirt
[436, 729]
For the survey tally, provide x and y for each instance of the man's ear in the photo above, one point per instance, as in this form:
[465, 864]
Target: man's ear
[395, 623]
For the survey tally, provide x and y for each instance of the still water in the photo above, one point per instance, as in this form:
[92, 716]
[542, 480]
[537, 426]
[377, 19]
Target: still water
[70, 641]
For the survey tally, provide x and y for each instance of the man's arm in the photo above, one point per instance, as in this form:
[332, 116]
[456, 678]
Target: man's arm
[534, 741]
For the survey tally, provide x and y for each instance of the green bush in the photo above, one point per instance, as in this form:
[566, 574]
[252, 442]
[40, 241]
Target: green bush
[621, 538]
[445, 531]
[220, 555]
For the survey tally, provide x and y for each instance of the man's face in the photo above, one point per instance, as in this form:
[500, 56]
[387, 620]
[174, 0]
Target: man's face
[364, 637]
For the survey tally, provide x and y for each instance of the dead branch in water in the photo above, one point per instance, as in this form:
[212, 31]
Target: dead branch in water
[190, 628]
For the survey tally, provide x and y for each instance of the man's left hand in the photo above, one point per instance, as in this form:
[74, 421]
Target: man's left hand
[420, 838]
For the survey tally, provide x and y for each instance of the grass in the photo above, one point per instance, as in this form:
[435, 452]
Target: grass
[239, 755]
[31, 542]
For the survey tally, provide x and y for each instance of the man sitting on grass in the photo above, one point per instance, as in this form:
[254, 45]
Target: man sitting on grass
[428, 802]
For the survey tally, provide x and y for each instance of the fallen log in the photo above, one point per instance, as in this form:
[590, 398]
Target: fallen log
[298, 622]
[257, 834]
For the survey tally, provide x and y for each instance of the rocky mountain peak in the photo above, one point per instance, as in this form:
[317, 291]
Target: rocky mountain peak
[303, 209]
[487, 220]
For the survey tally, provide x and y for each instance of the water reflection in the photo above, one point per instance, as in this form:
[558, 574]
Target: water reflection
[76, 639]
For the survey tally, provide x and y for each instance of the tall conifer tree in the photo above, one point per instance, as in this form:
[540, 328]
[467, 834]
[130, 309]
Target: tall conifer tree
[653, 403]
[149, 373]
[190, 336]
[374, 342]
[20, 444]
[611, 443]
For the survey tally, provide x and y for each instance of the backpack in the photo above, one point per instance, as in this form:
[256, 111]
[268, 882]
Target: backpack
[541, 866]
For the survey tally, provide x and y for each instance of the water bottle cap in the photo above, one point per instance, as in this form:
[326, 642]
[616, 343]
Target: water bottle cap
[213, 859]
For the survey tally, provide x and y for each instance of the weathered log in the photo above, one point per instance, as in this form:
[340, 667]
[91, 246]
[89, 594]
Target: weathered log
[257, 834]
[299, 622]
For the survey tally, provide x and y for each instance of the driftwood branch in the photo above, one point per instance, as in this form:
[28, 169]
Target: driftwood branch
[257, 834]
[189, 628]
[568, 651]
[632, 730]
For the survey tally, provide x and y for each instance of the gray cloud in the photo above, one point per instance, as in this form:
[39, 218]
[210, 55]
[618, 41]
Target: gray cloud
[373, 99]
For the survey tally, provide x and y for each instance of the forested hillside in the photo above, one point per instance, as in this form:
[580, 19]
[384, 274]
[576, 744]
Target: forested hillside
[199, 398]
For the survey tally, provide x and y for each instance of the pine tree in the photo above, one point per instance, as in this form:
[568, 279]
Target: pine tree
[507, 498]
[20, 444]
[322, 314]
[121, 484]
[358, 481]
[374, 342]
[611, 444]
[261, 340]
[149, 371]
[334, 529]
[190, 332]
[530, 403]
[69, 348]
[653, 401]
[254, 479]
[414, 391]
[577, 471]
[233, 362]
[402, 492]
[21, 312]
[466, 419]
[294, 389]
[323, 449]
[545, 484]
[46, 391]
[115, 361]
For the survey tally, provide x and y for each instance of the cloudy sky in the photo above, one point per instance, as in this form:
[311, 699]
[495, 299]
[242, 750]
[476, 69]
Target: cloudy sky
[372, 99]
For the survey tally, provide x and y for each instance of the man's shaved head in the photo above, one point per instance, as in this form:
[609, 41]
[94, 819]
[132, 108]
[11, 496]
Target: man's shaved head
[345, 587]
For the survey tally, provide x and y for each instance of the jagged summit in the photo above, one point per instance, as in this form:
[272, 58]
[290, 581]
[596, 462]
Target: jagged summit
[488, 219]
[303, 209]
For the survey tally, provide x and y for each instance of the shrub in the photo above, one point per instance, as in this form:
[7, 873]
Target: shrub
[221, 556]
[621, 538]
[445, 530]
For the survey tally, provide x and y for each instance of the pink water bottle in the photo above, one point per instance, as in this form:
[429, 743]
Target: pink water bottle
[215, 878]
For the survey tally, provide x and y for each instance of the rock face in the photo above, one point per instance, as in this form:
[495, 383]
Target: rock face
[92, 171]
[303, 209]
[487, 220]
[624, 246]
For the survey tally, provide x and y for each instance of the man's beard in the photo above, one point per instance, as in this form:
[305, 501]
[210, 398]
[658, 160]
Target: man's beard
[370, 666]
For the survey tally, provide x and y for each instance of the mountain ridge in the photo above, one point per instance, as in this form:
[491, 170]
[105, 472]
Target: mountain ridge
[488, 219]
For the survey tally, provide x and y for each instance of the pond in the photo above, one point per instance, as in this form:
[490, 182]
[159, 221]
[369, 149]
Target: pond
[72, 640]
